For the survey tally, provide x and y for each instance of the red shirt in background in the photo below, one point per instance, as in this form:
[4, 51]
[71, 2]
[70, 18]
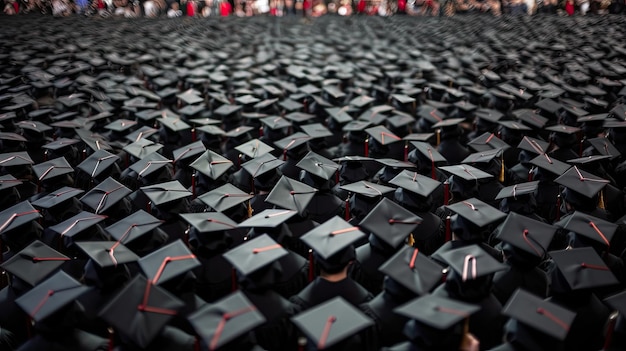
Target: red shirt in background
[225, 8]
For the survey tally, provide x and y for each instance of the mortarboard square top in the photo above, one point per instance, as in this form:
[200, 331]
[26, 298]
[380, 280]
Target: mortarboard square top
[8, 181]
[581, 182]
[583, 268]
[291, 194]
[211, 164]
[274, 122]
[225, 320]
[17, 215]
[35, 262]
[527, 234]
[261, 165]
[533, 145]
[175, 124]
[466, 172]
[550, 164]
[20, 158]
[604, 147]
[383, 135]
[133, 226]
[105, 195]
[56, 197]
[238, 132]
[270, 218]
[142, 148]
[472, 262]
[318, 165]
[477, 212]
[331, 322]
[450, 122]
[414, 270]
[438, 312]
[107, 253]
[539, 314]
[340, 115]
[60, 144]
[589, 226]
[617, 302]
[188, 151]
[316, 130]
[292, 141]
[76, 224]
[390, 222]
[168, 262]
[517, 190]
[255, 254]
[208, 222]
[166, 192]
[415, 183]
[254, 148]
[149, 164]
[98, 162]
[120, 125]
[141, 310]
[50, 296]
[487, 142]
[332, 236]
[428, 151]
[367, 189]
[53, 168]
[224, 197]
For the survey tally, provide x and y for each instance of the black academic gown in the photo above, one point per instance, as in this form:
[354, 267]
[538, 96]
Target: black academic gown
[321, 290]
[277, 333]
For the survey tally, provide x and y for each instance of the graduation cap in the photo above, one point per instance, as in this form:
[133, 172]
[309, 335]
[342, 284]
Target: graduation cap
[93, 140]
[316, 130]
[589, 226]
[413, 269]
[483, 156]
[98, 162]
[299, 117]
[550, 164]
[331, 322]
[75, 225]
[224, 197]
[34, 262]
[340, 115]
[533, 145]
[12, 137]
[415, 183]
[583, 268]
[561, 128]
[466, 172]
[516, 190]
[477, 212]
[437, 312]
[226, 320]
[141, 310]
[149, 164]
[165, 192]
[50, 296]
[318, 165]
[428, 151]
[121, 125]
[35, 126]
[291, 194]
[255, 254]
[487, 142]
[383, 135]
[268, 219]
[107, 253]
[274, 122]
[105, 195]
[17, 215]
[367, 189]
[168, 262]
[175, 124]
[133, 226]
[292, 141]
[261, 165]
[531, 118]
[188, 151]
[581, 182]
[539, 314]
[472, 262]
[208, 222]
[211, 164]
[56, 197]
[142, 148]
[390, 222]
[8, 181]
[527, 234]
[59, 144]
[238, 132]
[604, 147]
[190, 97]
[254, 148]
[515, 126]
[617, 302]
[331, 237]
[20, 158]
[53, 168]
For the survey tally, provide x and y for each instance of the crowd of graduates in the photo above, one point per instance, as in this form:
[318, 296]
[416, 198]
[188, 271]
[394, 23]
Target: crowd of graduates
[280, 185]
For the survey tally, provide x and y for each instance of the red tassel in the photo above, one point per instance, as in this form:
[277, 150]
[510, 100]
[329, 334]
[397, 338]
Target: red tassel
[530, 175]
[193, 185]
[580, 147]
[448, 229]
[446, 192]
[305, 107]
[367, 147]
[45, 156]
[433, 171]
[84, 154]
[284, 154]
[406, 152]
[193, 134]
[239, 161]
[609, 332]
[196, 344]
[29, 327]
[149, 207]
[558, 207]
[111, 345]
[347, 212]
[337, 177]
[127, 160]
[311, 266]
[260, 131]
[233, 281]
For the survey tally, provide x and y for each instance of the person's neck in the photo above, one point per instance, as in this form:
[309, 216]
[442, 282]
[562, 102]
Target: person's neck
[335, 277]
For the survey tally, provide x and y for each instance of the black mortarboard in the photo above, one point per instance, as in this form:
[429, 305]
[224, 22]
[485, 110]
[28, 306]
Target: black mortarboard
[133, 226]
[581, 182]
[561, 128]
[485, 143]
[165, 192]
[477, 212]
[34, 263]
[268, 219]
[533, 145]
[589, 226]
[428, 151]
[367, 189]
[120, 125]
[318, 165]
[331, 322]
[588, 160]
[537, 313]
[261, 165]
[531, 118]
[291, 194]
[466, 172]
[255, 254]
[168, 262]
[75, 225]
[53, 168]
[238, 132]
[471, 262]
[98, 162]
[340, 115]
[8, 181]
[105, 195]
[483, 156]
[550, 164]
[517, 190]
[20, 158]
[450, 122]
[93, 140]
[174, 124]
[190, 97]
[316, 130]
[149, 164]
[415, 183]
[292, 141]
[414, 270]
[390, 222]
[438, 312]
[50, 296]
[141, 310]
[617, 302]
[59, 144]
[512, 125]
[604, 147]
[583, 268]
[274, 122]
[254, 148]
[12, 137]
[107, 253]
[188, 151]
[225, 320]
[211, 164]
[17, 215]
[527, 234]
[208, 222]
[224, 197]
[142, 148]
[56, 197]
[383, 135]
[332, 236]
